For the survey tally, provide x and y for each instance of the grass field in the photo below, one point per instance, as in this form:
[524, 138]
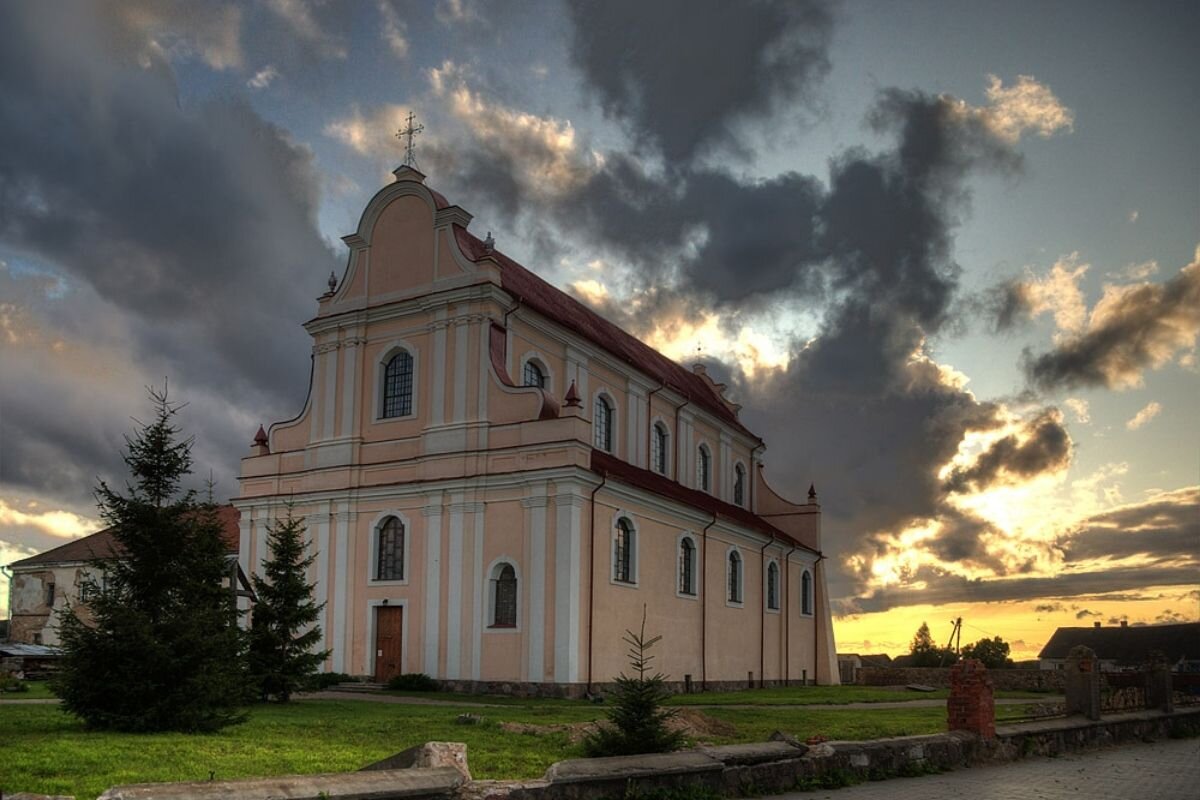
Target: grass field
[46, 751]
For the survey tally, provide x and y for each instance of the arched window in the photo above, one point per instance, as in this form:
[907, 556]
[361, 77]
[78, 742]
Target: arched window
[603, 423]
[687, 566]
[703, 468]
[534, 375]
[739, 485]
[773, 586]
[389, 551]
[735, 577]
[398, 386]
[658, 448]
[504, 596]
[623, 552]
[806, 593]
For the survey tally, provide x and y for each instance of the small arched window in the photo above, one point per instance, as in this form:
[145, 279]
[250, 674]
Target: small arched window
[703, 468]
[389, 551]
[504, 596]
[603, 424]
[739, 485]
[534, 376]
[398, 385]
[623, 552]
[773, 586]
[806, 593]
[658, 448]
[687, 566]
[735, 577]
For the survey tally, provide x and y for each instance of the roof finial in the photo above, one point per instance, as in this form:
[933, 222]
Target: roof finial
[407, 133]
[572, 399]
[489, 244]
[261, 436]
[332, 282]
[812, 493]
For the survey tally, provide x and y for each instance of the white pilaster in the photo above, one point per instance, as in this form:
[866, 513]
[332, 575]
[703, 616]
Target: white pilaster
[433, 586]
[477, 610]
[460, 369]
[437, 390]
[351, 354]
[567, 588]
[341, 581]
[454, 590]
[320, 539]
[536, 509]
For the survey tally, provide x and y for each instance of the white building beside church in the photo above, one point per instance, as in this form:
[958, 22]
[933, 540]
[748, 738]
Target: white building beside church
[497, 481]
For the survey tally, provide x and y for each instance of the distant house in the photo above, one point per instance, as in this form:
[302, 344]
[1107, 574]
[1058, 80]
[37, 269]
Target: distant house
[850, 663]
[1127, 647]
[44, 583]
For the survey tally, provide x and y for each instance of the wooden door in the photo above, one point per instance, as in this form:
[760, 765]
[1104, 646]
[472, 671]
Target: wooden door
[389, 627]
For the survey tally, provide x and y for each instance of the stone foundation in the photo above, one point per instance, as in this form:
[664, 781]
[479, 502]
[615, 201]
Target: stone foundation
[577, 691]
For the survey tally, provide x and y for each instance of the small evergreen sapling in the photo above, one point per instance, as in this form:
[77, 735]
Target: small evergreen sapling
[161, 648]
[282, 628]
[639, 723]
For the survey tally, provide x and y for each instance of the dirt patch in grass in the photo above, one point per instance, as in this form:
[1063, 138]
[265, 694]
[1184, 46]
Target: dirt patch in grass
[695, 725]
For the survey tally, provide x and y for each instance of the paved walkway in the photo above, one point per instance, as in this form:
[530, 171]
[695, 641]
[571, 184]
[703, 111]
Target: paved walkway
[1165, 770]
[922, 703]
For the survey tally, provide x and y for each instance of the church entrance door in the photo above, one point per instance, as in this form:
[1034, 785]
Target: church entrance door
[389, 627]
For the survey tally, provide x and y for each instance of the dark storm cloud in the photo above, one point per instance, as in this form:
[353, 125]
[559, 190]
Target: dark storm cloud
[943, 588]
[1042, 446]
[1048, 608]
[1134, 328]
[194, 226]
[683, 73]
[1164, 528]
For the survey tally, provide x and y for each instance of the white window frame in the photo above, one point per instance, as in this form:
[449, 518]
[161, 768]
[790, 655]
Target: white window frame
[741, 566]
[696, 582]
[771, 562]
[541, 364]
[656, 423]
[381, 363]
[739, 464]
[632, 583]
[489, 587]
[408, 537]
[810, 597]
[613, 427]
[702, 449]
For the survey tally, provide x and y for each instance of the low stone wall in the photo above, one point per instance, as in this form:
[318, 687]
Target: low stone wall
[438, 771]
[576, 691]
[1033, 680]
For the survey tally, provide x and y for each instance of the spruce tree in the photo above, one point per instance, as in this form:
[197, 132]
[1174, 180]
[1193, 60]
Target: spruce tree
[638, 721]
[282, 629]
[161, 648]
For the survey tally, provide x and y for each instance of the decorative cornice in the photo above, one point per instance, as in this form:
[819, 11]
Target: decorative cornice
[535, 502]
[327, 347]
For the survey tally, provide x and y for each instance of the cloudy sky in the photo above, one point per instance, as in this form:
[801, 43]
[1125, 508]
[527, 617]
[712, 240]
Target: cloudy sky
[944, 253]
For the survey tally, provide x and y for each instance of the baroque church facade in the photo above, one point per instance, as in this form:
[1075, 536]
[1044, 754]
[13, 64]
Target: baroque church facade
[498, 482]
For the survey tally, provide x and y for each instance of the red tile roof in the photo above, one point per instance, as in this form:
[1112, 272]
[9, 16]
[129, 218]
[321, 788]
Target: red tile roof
[102, 544]
[560, 307]
[613, 467]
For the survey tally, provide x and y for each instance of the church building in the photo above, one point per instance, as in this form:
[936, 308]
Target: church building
[497, 481]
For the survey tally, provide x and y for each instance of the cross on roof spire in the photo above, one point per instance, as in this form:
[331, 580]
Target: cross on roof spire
[408, 132]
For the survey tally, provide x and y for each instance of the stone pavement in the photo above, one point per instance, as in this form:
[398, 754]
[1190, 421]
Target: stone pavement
[1166, 770]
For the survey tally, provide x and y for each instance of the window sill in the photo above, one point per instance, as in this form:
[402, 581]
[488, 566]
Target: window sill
[626, 584]
[687, 595]
[387, 582]
[502, 629]
[735, 603]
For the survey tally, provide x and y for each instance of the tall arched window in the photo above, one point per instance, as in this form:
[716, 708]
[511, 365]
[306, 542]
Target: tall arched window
[398, 386]
[806, 593]
[504, 596]
[603, 423]
[735, 577]
[389, 551]
[773, 586]
[534, 375]
[658, 448]
[703, 468]
[687, 566]
[739, 485]
[623, 552]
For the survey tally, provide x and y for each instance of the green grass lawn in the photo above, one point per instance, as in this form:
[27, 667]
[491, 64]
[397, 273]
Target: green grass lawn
[46, 751]
[824, 695]
[38, 690]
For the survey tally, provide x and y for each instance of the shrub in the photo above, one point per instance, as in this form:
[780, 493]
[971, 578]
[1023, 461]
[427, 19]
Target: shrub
[638, 720]
[323, 680]
[413, 682]
[11, 683]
